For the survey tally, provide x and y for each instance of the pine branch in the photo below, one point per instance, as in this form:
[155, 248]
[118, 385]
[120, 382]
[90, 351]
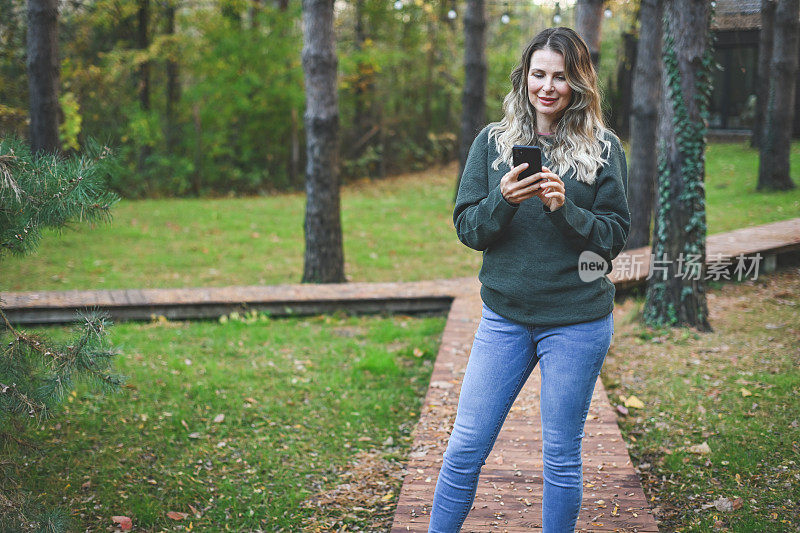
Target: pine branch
[33, 407]
[6, 179]
[48, 191]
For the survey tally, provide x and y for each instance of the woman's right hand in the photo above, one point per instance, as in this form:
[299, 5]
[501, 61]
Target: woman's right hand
[515, 192]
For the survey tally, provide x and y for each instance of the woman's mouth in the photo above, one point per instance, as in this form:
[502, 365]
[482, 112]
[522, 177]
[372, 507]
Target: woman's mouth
[547, 101]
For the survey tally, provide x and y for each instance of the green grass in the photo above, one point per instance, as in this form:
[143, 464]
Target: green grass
[300, 398]
[736, 388]
[731, 197]
[397, 230]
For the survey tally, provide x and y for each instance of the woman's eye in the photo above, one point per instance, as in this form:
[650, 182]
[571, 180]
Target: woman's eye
[536, 75]
[561, 78]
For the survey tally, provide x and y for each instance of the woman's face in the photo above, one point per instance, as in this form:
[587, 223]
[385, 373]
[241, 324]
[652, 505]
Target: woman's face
[548, 90]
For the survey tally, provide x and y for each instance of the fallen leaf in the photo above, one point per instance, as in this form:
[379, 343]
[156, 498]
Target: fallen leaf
[633, 401]
[746, 392]
[727, 505]
[700, 448]
[125, 523]
[176, 515]
[219, 419]
[418, 352]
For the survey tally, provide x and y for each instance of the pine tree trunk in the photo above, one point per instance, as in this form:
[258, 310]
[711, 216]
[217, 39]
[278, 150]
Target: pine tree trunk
[765, 37]
[473, 100]
[173, 84]
[324, 258]
[644, 123]
[43, 75]
[588, 21]
[775, 143]
[680, 227]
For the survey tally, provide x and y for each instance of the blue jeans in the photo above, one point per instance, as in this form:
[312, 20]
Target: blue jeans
[503, 355]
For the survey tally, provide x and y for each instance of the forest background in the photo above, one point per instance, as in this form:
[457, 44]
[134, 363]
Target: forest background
[206, 97]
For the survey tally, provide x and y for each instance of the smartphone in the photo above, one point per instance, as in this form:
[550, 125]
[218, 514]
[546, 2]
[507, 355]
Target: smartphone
[527, 154]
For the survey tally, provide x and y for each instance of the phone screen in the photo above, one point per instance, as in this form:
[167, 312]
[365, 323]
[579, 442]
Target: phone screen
[527, 154]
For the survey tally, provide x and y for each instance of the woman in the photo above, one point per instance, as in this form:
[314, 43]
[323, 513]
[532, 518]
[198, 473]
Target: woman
[538, 306]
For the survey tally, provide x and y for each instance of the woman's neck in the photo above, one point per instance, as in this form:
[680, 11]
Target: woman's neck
[546, 125]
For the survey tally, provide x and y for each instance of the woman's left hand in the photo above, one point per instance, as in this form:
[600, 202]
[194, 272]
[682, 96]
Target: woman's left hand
[550, 190]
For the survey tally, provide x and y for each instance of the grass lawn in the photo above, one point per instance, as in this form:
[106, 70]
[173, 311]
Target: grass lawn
[399, 229]
[245, 423]
[736, 389]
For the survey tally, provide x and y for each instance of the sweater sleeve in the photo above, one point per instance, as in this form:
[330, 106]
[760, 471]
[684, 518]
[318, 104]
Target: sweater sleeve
[604, 228]
[481, 215]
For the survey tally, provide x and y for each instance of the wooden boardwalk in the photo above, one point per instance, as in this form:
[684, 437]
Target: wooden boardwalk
[509, 495]
[510, 486]
[630, 269]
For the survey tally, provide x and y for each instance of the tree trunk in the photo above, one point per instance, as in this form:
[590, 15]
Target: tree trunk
[363, 89]
[252, 13]
[676, 287]
[588, 20]
[324, 257]
[294, 139]
[644, 123]
[43, 75]
[765, 37]
[197, 178]
[473, 100]
[143, 42]
[173, 83]
[775, 143]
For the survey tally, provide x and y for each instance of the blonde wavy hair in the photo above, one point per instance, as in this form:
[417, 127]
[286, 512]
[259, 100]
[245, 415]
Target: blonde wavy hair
[579, 141]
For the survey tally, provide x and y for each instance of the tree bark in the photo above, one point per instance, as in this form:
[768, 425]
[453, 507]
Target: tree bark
[675, 290]
[644, 123]
[324, 257]
[775, 143]
[588, 21]
[43, 75]
[173, 83]
[473, 99]
[765, 37]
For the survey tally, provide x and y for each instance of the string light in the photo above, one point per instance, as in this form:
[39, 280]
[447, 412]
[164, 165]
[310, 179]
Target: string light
[452, 14]
[607, 13]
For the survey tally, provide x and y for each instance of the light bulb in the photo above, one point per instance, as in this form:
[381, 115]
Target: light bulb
[505, 19]
[451, 14]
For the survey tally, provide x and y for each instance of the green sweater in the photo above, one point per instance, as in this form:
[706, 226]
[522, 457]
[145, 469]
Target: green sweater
[530, 268]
